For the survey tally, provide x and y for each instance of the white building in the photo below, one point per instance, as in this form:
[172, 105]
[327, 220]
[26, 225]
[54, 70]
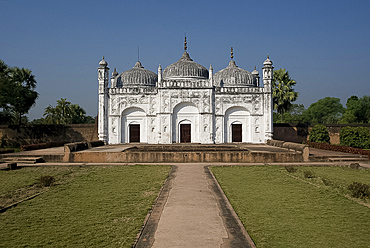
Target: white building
[185, 103]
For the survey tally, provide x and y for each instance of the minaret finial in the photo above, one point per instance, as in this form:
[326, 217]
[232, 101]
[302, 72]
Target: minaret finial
[232, 53]
[138, 54]
[185, 43]
[103, 57]
[268, 56]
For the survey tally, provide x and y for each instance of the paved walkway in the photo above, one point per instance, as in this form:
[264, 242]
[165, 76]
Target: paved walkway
[193, 213]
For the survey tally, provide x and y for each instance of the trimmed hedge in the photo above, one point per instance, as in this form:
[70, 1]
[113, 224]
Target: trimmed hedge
[355, 137]
[338, 148]
[319, 134]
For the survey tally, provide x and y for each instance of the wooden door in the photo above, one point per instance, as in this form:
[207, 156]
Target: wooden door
[185, 133]
[236, 130]
[134, 133]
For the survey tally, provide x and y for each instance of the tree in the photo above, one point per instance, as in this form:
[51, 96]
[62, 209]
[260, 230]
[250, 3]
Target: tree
[283, 93]
[65, 113]
[319, 134]
[293, 115]
[17, 92]
[325, 111]
[357, 111]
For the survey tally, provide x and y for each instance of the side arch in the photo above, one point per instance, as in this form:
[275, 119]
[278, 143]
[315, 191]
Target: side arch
[133, 116]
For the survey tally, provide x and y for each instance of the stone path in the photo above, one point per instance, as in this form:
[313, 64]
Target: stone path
[194, 214]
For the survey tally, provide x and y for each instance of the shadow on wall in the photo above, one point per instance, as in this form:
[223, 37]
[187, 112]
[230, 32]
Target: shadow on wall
[297, 133]
[15, 135]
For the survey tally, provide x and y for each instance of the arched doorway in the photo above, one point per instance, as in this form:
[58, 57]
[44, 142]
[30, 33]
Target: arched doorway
[185, 123]
[133, 128]
[237, 125]
[134, 133]
[236, 132]
[185, 132]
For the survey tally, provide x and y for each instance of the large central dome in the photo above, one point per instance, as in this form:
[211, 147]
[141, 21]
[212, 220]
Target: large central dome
[185, 67]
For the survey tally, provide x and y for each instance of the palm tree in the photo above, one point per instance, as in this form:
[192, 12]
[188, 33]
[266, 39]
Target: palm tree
[22, 91]
[283, 93]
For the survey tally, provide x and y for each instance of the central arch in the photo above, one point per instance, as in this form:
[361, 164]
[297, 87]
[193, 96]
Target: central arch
[237, 125]
[185, 121]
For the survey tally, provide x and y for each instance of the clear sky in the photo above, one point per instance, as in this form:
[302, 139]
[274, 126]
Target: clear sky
[325, 44]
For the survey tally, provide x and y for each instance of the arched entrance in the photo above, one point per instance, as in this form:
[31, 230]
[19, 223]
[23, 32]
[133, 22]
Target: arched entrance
[236, 132]
[133, 128]
[185, 132]
[185, 123]
[237, 125]
[134, 133]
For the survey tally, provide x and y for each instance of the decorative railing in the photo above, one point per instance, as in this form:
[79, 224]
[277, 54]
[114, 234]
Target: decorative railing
[185, 84]
[134, 90]
[238, 90]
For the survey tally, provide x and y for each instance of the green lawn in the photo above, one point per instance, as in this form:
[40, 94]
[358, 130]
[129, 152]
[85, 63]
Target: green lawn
[278, 210]
[88, 206]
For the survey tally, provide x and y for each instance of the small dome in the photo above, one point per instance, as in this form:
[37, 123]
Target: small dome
[185, 67]
[103, 63]
[267, 61]
[255, 72]
[137, 76]
[233, 76]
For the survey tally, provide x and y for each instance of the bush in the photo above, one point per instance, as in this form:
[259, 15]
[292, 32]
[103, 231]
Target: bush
[308, 174]
[319, 134]
[355, 137]
[359, 190]
[46, 181]
[290, 168]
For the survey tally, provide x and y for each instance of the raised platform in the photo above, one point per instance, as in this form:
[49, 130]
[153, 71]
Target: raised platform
[186, 153]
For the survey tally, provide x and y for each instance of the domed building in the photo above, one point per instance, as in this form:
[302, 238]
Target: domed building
[185, 103]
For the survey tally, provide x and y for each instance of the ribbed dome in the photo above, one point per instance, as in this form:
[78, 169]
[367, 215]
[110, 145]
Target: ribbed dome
[233, 76]
[137, 76]
[185, 67]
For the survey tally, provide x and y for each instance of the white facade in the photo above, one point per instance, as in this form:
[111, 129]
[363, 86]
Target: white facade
[185, 103]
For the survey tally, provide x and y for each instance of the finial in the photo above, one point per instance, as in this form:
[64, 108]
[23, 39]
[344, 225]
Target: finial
[185, 47]
[103, 57]
[232, 53]
[255, 67]
[268, 56]
[138, 54]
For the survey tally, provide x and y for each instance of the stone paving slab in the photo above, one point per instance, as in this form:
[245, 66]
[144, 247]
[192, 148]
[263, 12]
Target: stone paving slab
[194, 214]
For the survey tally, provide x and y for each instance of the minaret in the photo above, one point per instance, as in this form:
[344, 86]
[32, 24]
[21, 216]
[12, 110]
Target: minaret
[211, 75]
[256, 77]
[159, 75]
[103, 78]
[268, 71]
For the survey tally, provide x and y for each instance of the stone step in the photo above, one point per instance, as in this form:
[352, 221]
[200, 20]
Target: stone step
[349, 159]
[23, 160]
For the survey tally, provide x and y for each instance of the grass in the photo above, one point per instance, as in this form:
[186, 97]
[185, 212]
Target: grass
[281, 209]
[87, 207]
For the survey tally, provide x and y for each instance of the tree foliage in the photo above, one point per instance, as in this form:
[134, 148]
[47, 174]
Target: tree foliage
[65, 113]
[283, 93]
[357, 111]
[319, 134]
[325, 111]
[355, 137]
[17, 91]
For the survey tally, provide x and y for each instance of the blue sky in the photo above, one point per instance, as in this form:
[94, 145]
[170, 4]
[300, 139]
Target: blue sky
[325, 45]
